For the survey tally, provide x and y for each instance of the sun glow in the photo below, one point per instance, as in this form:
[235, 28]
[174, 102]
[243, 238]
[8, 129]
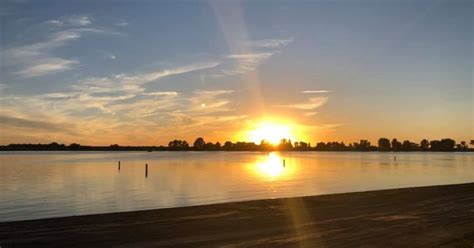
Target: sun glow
[272, 166]
[271, 132]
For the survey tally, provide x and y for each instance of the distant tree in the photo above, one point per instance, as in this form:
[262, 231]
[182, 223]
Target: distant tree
[320, 146]
[265, 146]
[285, 145]
[424, 144]
[471, 143]
[227, 145]
[442, 145]
[364, 145]
[384, 144]
[74, 146]
[178, 145]
[409, 146]
[396, 145]
[448, 144]
[245, 146]
[435, 145]
[209, 146]
[218, 145]
[199, 143]
[301, 146]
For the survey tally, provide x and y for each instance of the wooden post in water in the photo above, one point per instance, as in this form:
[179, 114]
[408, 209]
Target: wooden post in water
[283, 163]
[146, 170]
[119, 165]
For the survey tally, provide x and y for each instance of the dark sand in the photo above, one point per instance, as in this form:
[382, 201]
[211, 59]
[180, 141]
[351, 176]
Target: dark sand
[439, 216]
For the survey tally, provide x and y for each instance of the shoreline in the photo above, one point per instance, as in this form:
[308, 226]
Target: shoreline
[429, 216]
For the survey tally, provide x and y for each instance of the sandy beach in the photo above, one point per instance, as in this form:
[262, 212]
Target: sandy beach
[435, 216]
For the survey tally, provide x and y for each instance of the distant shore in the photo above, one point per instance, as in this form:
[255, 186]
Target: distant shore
[384, 145]
[435, 216]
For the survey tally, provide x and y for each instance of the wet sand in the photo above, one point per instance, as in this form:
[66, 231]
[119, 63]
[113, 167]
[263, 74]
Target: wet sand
[437, 216]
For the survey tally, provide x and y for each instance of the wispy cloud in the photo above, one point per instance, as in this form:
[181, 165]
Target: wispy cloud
[46, 66]
[255, 54]
[75, 20]
[37, 59]
[120, 94]
[315, 91]
[243, 63]
[80, 20]
[213, 92]
[9, 121]
[310, 104]
[133, 84]
[161, 93]
[270, 43]
[121, 23]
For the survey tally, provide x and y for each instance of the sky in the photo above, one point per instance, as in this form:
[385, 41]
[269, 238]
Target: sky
[147, 72]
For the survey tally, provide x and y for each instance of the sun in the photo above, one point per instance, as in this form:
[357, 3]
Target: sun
[271, 132]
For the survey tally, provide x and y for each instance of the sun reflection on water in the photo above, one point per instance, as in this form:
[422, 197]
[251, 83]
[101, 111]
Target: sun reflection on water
[271, 167]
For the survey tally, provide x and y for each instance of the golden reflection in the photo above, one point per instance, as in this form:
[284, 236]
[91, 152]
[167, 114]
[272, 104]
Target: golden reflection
[272, 167]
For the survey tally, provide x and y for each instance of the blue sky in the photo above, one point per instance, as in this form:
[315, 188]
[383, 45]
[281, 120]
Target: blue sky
[144, 72]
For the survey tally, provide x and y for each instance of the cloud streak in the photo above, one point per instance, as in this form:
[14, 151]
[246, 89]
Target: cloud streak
[47, 66]
[315, 91]
[75, 20]
[256, 53]
[311, 104]
[270, 43]
[37, 59]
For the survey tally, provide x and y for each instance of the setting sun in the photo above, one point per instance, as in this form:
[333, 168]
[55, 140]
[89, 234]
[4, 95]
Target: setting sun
[271, 132]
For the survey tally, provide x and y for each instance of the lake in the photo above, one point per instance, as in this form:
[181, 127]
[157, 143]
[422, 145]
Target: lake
[37, 185]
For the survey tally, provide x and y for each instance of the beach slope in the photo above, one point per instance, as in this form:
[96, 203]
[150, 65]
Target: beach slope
[436, 216]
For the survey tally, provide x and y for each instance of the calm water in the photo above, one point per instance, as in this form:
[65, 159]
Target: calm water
[48, 184]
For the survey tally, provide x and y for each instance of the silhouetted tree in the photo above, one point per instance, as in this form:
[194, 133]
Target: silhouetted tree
[384, 144]
[396, 145]
[472, 142]
[265, 146]
[74, 146]
[424, 144]
[285, 145]
[301, 146]
[199, 143]
[228, 146]
[364, 145]
[178, 145]
[209, 146]
[320, 146]
[442, 145]
[462, 146]
[409, 146]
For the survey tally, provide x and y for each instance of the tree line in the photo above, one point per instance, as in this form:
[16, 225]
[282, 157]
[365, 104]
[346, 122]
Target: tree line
[383, 144]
